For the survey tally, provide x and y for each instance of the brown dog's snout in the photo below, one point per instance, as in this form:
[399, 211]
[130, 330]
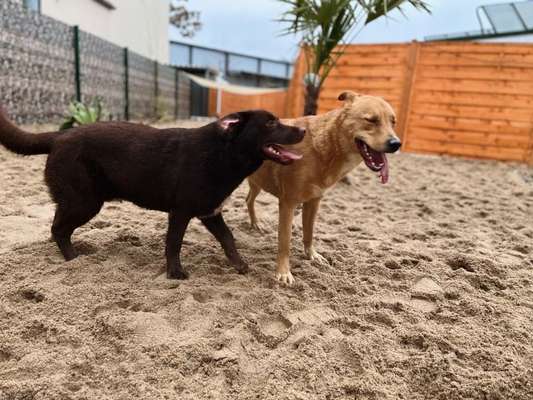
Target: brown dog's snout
[393, 145]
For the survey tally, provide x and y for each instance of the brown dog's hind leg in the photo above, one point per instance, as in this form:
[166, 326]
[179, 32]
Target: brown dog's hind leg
[250, 202]
[72, 187]
[310, 210]
[69, 216]
[283, 270]
[222, 233]
[177, 225]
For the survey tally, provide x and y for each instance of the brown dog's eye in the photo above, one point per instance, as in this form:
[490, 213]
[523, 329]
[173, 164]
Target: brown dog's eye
[372, 120]
[272, 124]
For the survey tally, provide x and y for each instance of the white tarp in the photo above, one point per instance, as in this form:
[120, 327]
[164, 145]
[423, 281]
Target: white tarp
[227, 87]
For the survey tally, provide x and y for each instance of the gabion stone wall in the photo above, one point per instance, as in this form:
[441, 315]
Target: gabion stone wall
[184, 96]
[38, 74]
[102, 73]
[142, 86]
[36, 65]
[166, 80]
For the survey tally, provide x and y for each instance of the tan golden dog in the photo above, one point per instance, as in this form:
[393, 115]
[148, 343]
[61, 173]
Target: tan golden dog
[362, 130]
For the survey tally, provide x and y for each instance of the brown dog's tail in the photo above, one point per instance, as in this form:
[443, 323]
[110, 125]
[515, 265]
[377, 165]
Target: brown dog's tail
[20, 142]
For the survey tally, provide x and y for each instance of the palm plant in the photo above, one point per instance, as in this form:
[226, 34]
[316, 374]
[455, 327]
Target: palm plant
[327, 26]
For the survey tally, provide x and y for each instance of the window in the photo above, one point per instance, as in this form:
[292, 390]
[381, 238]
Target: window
[34, 5]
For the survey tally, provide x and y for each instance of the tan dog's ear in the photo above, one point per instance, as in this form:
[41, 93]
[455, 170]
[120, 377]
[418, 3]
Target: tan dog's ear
[348, 96]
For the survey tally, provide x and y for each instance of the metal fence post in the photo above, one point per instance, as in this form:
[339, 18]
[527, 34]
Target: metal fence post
[226, 63]
[176, 92]
[77, 77]
[156, 82]
[259, 66]
[126, 84]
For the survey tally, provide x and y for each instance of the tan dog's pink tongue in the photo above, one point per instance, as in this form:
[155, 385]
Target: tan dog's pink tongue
[384, 173]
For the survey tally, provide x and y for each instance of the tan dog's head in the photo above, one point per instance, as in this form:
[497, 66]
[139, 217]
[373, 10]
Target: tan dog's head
[368, 127]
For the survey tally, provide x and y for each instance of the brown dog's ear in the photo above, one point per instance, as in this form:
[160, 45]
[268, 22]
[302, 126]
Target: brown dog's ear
[229, 122]
[348, 96]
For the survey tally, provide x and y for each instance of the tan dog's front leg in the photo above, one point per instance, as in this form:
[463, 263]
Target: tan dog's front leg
[250, 203]
[310, 210]
[283, 269]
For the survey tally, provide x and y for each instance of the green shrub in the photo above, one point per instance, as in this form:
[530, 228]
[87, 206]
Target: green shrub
[81, 114]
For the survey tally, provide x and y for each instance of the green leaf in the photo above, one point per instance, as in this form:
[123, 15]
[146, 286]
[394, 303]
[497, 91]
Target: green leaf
[92, 115]
[378, 8]
[67, 124]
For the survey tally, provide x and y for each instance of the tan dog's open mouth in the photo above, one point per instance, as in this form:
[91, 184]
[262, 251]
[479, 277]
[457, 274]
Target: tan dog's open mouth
[374, 160]
[279, 154]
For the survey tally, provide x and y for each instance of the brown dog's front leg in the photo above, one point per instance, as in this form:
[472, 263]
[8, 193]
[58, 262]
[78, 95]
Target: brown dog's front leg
[221, 232]
[177, 225]
[283, 269]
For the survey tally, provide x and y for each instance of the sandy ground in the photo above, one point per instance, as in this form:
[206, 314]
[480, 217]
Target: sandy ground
[429, 295]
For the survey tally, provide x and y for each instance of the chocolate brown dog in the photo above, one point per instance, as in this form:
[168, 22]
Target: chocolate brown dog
[185, 172]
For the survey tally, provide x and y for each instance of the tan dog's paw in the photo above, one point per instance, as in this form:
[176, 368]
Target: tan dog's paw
[316, 257]
[258, 226]
[285, 278]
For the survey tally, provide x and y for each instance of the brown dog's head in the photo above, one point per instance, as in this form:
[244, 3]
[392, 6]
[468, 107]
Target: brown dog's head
[261, 133]
[368, 126]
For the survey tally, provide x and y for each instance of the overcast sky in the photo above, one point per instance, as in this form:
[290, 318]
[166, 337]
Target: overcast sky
[250, 27]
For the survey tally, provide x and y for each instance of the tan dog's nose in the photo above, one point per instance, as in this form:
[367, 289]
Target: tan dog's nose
[393, 145]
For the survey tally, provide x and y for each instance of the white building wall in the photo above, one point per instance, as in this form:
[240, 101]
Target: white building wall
[140, 25]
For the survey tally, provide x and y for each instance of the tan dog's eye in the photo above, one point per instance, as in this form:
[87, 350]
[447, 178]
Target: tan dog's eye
[373, 120]
[393, 121]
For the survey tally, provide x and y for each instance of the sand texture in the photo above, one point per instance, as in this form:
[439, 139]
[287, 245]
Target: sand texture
[429, 295]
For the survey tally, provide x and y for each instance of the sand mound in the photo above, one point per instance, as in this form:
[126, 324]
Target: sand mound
[429, 295]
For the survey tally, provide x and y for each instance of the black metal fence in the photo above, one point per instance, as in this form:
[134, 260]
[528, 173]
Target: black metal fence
[230, 63]
[45, 64]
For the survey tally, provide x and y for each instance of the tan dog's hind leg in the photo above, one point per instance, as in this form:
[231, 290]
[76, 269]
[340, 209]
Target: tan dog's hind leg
[250, 202]
[283, 269]
[310, 210]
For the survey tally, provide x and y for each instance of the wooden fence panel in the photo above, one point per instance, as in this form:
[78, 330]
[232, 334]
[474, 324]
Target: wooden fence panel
[472, 99]
[458, 98]
[380, 70]
[275, 102]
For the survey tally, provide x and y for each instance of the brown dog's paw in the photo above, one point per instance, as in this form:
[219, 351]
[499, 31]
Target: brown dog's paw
[242, 268]
[179, 275]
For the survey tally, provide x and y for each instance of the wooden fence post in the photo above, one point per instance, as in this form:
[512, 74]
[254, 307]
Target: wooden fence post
[295, 94]
[528, 158]
[407, 94]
